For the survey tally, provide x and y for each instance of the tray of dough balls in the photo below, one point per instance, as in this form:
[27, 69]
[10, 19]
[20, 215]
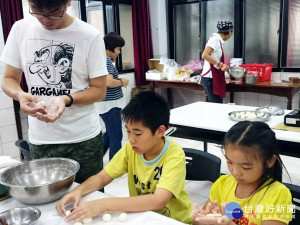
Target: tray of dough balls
[250, 115]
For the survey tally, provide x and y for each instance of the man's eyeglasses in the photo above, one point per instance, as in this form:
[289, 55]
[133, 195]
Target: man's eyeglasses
[51, 17]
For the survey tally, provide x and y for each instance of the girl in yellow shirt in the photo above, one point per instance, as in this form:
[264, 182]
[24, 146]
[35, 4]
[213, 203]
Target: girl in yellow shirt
[253, 194]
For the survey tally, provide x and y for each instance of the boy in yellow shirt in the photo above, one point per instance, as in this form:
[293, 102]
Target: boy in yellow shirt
[155, 165]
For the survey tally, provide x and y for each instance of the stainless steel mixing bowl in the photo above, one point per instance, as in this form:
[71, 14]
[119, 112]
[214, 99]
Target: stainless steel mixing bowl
[237, 72]
[40, 181]
[20, 216]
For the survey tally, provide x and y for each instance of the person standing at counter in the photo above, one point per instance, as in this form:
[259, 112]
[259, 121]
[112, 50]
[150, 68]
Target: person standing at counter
[64, 63]
[212, 76]
[110, 108]
[155, 165]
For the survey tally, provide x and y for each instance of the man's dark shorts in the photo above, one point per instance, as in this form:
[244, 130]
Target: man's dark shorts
[89, 154]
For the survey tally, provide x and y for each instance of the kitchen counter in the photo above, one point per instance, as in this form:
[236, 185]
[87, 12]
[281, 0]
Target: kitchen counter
[287, 90]
[50, 216]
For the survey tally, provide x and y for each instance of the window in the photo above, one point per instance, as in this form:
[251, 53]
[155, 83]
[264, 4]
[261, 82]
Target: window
[127, 34]
[293, 40]
[184, 36]
[262, 21]
[114, 16]
[219, 11]
[94, 15]
[191, 24]
[187, 41]
[264, 31]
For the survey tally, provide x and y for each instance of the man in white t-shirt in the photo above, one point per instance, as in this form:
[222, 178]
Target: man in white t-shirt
[64, 63]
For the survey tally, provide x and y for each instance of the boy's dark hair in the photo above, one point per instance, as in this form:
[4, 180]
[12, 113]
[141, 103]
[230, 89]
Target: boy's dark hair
[48, 4]
[112, 40]
[148, 108]
[258, 136]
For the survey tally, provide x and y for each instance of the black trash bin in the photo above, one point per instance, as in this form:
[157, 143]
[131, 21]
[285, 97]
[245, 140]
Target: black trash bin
[24, 148]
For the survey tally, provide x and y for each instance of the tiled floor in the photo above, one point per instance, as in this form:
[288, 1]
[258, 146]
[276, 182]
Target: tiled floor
[199, 191]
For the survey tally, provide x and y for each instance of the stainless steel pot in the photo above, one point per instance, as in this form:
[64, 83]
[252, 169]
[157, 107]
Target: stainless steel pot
[237, 72]
[251, 79]
[40, 181]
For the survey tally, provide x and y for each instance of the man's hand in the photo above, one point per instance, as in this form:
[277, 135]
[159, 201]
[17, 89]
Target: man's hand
[53, 110]
[28, 104]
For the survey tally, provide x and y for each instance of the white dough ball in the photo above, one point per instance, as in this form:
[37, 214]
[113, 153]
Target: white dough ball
[213, 214]
[87, 220]
[40, 104]
[77, 223]
[259, 115]
[106, 217]
[123, 217]
[68, 212]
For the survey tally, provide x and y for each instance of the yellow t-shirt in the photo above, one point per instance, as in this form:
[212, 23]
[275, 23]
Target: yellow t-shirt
[166, 171]
[273, 202]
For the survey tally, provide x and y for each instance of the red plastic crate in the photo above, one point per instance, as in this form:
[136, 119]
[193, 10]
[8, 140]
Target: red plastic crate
[264, 70]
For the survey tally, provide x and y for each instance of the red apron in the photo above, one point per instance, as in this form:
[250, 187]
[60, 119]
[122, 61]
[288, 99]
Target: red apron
[218, 76]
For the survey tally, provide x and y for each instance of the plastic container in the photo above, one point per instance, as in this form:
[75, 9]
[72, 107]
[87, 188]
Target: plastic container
[236, 61]
[24, 148]
[264, 70]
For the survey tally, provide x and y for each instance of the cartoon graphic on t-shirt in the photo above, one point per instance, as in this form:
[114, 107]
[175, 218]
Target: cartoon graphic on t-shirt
[63, 57]
[51, 66]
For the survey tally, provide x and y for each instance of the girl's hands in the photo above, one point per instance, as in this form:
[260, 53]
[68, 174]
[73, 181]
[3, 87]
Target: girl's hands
[200, 217]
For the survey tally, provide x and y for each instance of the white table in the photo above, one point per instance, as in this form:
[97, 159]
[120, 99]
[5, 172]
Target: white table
[50, 216]
[209, 122]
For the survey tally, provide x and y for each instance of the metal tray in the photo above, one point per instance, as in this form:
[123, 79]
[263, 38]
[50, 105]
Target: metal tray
[250, 115]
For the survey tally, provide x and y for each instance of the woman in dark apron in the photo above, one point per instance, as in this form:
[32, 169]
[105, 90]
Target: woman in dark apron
[212, 76]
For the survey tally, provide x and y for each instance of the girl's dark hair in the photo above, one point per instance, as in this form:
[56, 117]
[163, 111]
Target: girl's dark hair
[148, 108]
[48, 4]
[257, 136]
[112, 40]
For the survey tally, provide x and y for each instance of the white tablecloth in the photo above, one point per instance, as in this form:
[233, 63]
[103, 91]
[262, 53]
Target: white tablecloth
[214, 116]
[49, 215]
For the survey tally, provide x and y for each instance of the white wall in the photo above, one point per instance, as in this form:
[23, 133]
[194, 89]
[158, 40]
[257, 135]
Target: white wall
[8, 130]
[1, 44]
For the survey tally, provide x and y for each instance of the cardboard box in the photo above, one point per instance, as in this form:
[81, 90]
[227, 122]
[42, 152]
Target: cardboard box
[154, 64]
